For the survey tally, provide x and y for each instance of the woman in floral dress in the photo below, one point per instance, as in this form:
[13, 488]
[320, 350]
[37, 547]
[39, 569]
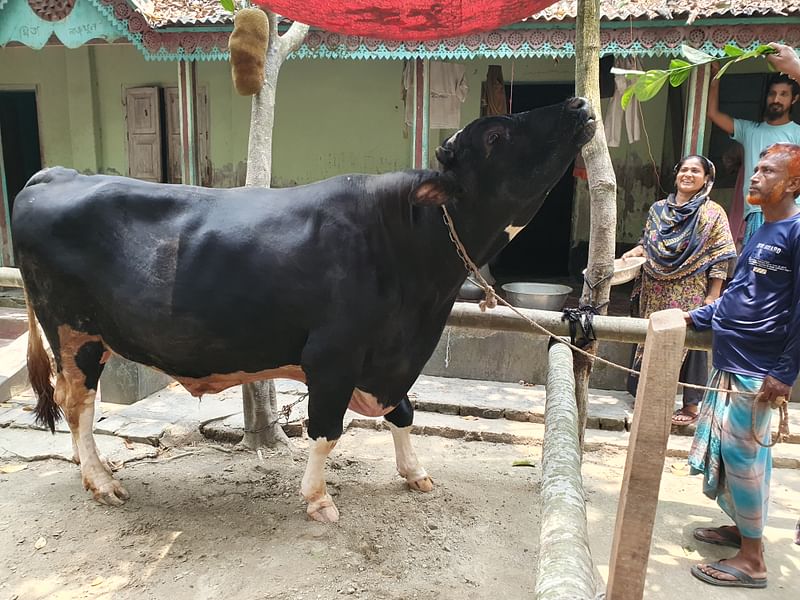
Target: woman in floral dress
[688, 246]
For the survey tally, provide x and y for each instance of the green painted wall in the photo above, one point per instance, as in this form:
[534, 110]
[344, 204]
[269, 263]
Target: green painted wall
[45, 72]
[332, 117]
[118, 67]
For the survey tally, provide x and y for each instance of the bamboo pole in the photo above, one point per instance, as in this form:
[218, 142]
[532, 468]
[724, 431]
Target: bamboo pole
[565, 570]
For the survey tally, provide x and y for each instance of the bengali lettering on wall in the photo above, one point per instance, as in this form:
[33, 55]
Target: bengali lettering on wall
[79, 25]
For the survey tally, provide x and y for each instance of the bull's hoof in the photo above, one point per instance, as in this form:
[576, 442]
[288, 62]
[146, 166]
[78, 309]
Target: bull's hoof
[421, 485]
[110, 493]
[323, 510]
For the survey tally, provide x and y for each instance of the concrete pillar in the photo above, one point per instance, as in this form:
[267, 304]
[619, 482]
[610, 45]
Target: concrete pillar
[421, 126]
[187, 99]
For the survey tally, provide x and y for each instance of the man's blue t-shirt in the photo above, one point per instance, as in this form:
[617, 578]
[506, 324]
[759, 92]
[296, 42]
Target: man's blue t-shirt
[755, 137]
[756, 321]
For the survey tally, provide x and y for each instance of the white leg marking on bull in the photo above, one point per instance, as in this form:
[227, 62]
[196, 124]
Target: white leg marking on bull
[77, 404]
[407, 463]
[320, 504]
[95, 473]
[512, 231]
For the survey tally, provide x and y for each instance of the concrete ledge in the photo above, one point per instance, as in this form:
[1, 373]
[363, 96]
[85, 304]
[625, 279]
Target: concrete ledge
[14, 368]
[126, 382]
[512, 357]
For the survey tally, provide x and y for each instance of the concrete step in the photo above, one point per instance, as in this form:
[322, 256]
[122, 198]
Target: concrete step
[477, 429]
[468, 409]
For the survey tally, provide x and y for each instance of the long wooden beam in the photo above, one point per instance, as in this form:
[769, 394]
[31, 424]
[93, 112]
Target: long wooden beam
[612, 329]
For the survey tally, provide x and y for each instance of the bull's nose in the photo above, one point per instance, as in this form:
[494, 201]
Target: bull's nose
[581, 105]
[577, 103]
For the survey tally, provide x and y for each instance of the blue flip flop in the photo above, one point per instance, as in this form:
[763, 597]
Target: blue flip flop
[720, 536]
[742, 579]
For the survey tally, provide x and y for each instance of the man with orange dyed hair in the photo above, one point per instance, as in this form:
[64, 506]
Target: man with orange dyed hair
[755, 350]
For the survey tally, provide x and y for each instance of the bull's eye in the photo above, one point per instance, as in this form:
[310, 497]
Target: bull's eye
[492, 138]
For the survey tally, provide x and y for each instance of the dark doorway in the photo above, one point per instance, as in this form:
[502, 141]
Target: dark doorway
[19, 129]
[541, 250]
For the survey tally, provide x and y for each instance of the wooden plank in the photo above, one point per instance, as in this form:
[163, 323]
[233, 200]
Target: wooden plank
[647, 448]
[695, 126]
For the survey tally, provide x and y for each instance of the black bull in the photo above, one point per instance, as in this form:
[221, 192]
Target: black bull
[345, 284]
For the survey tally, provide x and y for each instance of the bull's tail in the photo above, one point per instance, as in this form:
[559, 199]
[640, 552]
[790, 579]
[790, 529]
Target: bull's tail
[40, 373]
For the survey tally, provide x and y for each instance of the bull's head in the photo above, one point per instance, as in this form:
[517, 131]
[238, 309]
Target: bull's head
[511, 159]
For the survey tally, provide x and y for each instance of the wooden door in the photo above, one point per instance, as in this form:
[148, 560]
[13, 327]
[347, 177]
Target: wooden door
[143, 117]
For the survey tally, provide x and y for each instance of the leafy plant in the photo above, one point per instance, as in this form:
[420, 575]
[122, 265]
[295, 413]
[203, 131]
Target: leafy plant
[649, 83]
[233, 5]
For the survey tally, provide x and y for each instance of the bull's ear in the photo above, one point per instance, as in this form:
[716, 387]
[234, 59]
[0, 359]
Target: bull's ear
[434, 190]
[445, 155]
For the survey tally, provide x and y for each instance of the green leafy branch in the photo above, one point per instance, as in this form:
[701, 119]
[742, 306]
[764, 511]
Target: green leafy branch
[232, 5]
[649, 83]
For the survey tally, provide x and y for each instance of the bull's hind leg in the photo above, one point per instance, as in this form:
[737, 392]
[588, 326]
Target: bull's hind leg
[400, 420]
[76, 387]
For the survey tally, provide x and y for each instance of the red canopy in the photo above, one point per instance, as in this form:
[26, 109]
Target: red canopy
[406, 19]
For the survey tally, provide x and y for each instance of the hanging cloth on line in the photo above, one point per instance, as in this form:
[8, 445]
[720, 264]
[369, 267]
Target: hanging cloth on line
[448, 90]
[615, 116]
[406, 19]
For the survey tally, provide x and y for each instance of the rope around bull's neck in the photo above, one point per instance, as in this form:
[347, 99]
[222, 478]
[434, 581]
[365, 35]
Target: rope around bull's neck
[491, 299]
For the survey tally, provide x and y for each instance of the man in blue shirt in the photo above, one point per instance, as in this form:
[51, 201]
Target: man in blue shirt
[756, 358]
[777, 127]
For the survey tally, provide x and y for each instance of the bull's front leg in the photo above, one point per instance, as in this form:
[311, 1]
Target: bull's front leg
[329, 392]
[400, 421]
[313, 489]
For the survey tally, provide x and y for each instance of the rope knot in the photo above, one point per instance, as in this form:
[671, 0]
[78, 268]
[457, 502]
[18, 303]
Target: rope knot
[581, 318]
[489, 299]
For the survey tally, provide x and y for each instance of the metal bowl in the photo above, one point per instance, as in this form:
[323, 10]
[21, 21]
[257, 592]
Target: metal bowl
[625, 269]
[544, 296]
[470, 290]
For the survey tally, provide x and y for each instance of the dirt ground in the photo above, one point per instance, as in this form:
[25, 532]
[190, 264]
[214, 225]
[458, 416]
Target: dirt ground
[219, 525]
[228, 524]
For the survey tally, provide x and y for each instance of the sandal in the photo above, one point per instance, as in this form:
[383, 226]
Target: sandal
[719, 536]
[683, 417]
[742, 579]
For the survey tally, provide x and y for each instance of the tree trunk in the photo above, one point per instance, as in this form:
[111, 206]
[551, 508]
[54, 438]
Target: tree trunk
[602, 191]
[260, 400]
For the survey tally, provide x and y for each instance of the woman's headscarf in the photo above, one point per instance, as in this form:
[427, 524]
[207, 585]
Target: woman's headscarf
[675, 243]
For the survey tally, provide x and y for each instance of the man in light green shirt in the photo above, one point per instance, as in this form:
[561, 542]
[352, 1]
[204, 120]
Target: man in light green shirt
[777, 127]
